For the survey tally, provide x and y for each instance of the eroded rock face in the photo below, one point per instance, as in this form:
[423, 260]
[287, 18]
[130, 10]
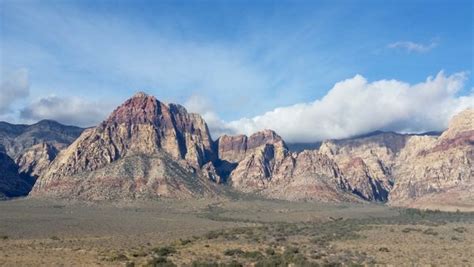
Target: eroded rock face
[438, 171]
[235, 148]
[263, 165]
[142, 126]
[36, 159]
[12, 183]
[308, 175]
[366, 162]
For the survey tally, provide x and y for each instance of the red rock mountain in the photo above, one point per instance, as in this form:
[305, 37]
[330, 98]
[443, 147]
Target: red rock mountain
[145, 148]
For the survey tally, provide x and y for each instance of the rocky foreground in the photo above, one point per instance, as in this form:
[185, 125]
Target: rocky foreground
[149, 149]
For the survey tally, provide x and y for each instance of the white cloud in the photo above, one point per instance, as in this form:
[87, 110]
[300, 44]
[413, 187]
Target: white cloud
[355, 106]
[199, 104]
[410, 46]
[67, 110]
[14, 86]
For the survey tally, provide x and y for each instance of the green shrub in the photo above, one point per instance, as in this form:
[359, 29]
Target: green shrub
[164, 251]
[252, 254]
[270, 251]
[430, 231]
[160, 262]
[204, 264]
[460, 229]
[55, 238]
[234, 252]
[184, 242]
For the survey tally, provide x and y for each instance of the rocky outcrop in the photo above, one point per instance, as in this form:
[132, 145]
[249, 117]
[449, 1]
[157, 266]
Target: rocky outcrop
[264, 152]
[367, 162]
[263, 165]
[143, 144]
[308, 175]
[438, 172]
[36, 159]
[235, 148]
[258, 153]
[12, 183]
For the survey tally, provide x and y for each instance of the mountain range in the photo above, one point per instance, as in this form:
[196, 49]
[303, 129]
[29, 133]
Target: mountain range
[148, 149]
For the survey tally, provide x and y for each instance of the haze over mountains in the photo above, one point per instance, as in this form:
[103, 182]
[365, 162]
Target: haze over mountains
[149, 149]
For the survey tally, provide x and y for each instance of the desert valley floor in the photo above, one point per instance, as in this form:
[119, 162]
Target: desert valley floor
[229, 232]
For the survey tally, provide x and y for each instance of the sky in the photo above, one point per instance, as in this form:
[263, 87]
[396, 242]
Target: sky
[310, 70]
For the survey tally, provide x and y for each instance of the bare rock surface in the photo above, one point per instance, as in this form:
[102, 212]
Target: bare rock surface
[438, 170]
[34, 160]
[12, 183]
[263, 165]
[144, 148]
[367, 162]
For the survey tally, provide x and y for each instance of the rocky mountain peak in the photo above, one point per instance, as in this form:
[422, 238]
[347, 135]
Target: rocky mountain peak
[140, 129]
[264, 137]
[140, 94]
[461, 122]
[141, 108]
[235, 148]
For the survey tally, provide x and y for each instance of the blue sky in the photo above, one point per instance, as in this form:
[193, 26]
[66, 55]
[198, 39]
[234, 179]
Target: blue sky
[230, 59]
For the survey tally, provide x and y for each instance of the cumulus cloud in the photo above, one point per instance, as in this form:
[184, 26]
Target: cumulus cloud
[201, 105]
[410, 46]
[14, 86]
[67, 110]
[356, 106]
